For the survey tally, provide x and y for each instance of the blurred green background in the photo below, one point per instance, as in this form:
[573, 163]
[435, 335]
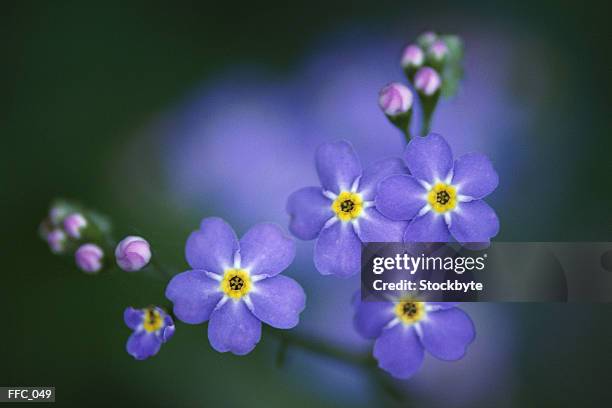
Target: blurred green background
[79, 79]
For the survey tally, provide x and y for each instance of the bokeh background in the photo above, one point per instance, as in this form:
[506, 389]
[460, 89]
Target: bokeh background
[159, 114]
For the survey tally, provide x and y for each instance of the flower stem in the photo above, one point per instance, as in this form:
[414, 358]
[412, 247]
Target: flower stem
[282, 353]
[426, 126]
[402, 122]
[429, 104]
[316, 346]
[161, 271]
[406, 133]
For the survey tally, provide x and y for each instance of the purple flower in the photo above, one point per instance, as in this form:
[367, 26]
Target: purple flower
[427, 81]
[133, 253]
[341, 213]
[152, 327]
[236, 284]
[89, 258]
[395, 99]
[74, 224]
[404, 329]
[441, 197]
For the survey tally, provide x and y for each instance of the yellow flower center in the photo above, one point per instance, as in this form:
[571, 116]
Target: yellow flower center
[347, 206]
[410, 312]
[442, 197]
[236, 283]
[153, 320]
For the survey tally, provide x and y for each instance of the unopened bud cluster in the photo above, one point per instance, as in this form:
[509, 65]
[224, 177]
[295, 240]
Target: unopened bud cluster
[423, 63]
[68, 229]
[419, 59]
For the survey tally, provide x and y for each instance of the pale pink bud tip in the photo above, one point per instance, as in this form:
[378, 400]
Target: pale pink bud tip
[89, 258]
[395, 99]
[412, 56]
[438, 49]
[74, 224]
[56, 240]
[133, 253]
[427, 81]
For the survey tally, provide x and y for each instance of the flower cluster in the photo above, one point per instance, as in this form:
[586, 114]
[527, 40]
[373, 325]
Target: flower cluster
[67, 229]
[426, 196]
[430, 50]
[71, 229]
[433, 67]
[235, 284]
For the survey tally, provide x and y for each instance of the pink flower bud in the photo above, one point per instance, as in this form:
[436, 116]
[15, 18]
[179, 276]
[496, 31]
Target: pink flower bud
[395, 99]
[438, 50]
[74, 224]
[412, 56]
[56, 240]
[427, 81]
[133, 253]
[89, 258]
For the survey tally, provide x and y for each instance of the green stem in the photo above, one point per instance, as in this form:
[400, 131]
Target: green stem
[402, 122]
[316, 346]
[406, 133]
[282, 353]
[426, 126]
[429, 104]
[161, 271]
[386, 384]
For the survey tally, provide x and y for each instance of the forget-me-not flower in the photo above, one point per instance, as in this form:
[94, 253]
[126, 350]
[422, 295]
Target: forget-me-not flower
[236, 284]
[442, 197]
[152, 327]
[341, 214]
[404, 329]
